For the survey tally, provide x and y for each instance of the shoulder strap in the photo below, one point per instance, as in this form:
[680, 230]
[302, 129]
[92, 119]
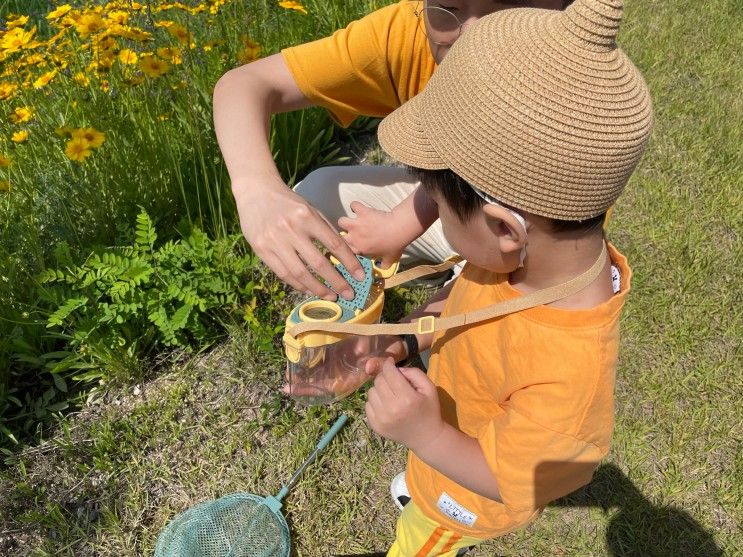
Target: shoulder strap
[431, 324]
[420, 271]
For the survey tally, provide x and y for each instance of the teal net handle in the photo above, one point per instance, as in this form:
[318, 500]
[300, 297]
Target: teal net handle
[339, 423]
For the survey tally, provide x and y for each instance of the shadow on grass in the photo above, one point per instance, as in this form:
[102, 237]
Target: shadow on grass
[640, 527]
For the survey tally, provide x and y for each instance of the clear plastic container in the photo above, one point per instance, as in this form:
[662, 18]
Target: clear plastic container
[331, 372]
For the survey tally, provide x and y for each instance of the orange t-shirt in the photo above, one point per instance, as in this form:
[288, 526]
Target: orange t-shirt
[535, 388]
[369, 68]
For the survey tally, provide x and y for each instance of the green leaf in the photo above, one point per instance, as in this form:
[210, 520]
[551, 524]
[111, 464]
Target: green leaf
[57, 406]
[180, 317]
[59, 382]
[145, 234]
[9, 434]
[63, 312]
[51, 275]
[119, 289]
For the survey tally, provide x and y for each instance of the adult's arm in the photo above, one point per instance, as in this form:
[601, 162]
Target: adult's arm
[280, 225]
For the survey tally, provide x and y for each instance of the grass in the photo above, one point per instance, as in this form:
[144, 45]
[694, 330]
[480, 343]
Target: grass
[110, 476]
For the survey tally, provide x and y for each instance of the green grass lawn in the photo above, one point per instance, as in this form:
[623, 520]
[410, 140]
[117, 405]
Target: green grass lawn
[109, 477]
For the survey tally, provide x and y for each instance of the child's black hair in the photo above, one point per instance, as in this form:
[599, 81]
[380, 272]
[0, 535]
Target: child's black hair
[464, 202]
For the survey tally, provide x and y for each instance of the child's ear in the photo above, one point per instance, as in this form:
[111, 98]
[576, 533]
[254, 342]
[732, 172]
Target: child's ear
[509, 231]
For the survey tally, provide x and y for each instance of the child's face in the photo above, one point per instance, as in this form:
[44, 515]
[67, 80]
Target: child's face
[476, 239]
[442, 30]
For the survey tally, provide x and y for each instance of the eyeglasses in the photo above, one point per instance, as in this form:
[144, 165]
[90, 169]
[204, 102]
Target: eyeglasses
[441, 26]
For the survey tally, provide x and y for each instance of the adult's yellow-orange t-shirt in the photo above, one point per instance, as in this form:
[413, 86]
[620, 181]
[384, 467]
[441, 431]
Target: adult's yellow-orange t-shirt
[369, 68]
[535, 388]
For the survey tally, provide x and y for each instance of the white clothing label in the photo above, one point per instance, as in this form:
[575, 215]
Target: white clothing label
[616, 279]
[455, 511]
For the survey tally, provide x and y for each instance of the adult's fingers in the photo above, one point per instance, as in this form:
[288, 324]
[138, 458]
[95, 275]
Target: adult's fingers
[315, 260]
[274, 262]
[324, 233]
[293, 271]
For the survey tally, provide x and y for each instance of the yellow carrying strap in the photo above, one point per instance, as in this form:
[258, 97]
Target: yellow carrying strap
[431, 324]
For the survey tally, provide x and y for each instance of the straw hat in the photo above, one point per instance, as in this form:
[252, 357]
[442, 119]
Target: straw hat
[538, 108]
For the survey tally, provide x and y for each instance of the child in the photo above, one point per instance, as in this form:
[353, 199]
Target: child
[369, 68]
[524, 137]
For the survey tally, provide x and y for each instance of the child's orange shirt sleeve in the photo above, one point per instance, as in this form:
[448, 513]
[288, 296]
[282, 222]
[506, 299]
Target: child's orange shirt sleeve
[369, 68]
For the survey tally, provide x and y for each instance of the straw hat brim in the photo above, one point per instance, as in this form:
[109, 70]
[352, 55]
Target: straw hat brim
[403, 136]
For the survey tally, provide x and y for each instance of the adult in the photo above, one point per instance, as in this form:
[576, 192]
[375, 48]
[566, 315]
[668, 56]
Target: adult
[369, 68]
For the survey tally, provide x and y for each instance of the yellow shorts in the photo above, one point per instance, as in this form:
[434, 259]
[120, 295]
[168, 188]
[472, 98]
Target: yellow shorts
[419, 536]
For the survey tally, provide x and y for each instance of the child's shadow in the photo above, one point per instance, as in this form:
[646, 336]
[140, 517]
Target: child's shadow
[641, 528]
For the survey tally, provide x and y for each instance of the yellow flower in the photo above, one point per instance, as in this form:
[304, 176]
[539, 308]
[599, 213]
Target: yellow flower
[152, 66]
[89, 23]
[20, 136]
[34, 59]
[17, 21]
[92, 136]
[128, 57]
[104, 42]
[105, 59]
[250, 51]
[4, 161]
[21, 115]
[59, 12]
[44, 79]
[78, 149]
[209, 45]
[179, 32]
[81, 79]
[16, 39]
[135, 34]
[134, 80]
[170, 53]
[286, 4]
[7, 90]
[119, 17]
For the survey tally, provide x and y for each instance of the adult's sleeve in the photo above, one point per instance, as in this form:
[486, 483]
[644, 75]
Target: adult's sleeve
[349, 72]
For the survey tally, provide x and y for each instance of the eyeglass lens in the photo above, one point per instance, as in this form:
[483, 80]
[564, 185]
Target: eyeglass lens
[442, 25]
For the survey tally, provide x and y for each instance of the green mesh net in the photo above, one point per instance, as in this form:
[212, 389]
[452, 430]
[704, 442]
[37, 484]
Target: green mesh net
[237, 525]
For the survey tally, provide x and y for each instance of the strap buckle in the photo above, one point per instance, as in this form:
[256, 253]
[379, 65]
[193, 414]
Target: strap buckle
[426, 324]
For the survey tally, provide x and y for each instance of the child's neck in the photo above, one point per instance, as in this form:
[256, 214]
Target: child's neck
[552, 259]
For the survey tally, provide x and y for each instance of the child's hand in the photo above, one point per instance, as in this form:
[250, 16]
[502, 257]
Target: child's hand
[403, 405]
[371, 233]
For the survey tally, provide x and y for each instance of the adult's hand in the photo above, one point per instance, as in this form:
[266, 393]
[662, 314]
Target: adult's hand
[279, 225]
[283, 229]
